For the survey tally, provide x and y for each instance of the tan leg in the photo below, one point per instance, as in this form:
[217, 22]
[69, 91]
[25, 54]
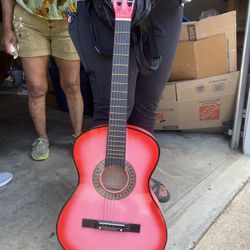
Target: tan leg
[35, 69]
[70, 82]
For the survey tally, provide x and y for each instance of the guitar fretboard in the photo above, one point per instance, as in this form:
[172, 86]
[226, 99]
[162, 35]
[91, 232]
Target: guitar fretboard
[116, 144]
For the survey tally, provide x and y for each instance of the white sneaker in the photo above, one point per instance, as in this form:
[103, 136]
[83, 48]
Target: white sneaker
[5, 178]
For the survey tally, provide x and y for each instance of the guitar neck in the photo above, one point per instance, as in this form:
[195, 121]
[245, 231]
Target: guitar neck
[116, 145]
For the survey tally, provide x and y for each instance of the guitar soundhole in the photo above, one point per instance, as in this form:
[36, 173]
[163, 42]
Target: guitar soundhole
[114, 178]
[114, 182]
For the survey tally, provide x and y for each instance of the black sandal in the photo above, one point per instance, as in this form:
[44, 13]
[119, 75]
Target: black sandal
[156, 189]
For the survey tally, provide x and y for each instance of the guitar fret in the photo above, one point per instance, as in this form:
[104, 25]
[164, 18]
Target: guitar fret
[121, 65]
[118, 151]
[115, 124]
[115, 74]
[123, 60]
[114, 137]
[116, 130]
[114, 157]
[117, 119]
[117, 146]
[120, 83]
[122, 32]
[123, 20]
[117, 106]
[117, 136]
[121, 54]
[121, 146]
[118, 113]
[117, 141]
[122, 44]
[120, 99]
[120, 91]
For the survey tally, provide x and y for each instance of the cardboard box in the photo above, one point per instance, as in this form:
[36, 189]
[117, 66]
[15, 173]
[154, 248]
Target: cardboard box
[169, 94]
[207, 103]
[202, 58]
[167, 116]
[241, 12]
[225, 23]
[201, 105]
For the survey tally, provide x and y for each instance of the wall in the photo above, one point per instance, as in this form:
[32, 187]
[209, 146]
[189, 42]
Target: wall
[193, 10]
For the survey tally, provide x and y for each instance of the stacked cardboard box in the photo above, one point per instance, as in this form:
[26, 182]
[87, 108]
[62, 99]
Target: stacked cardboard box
[202, 92]
[211, 38]
[201, 105]
[168, 110]
[200, 58]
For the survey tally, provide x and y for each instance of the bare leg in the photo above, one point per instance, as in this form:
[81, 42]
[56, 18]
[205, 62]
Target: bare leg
[35, 69]
[70, 82]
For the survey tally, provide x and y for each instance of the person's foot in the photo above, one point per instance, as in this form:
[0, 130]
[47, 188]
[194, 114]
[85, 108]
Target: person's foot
[40, 149]
[5, 178]
[159, 190]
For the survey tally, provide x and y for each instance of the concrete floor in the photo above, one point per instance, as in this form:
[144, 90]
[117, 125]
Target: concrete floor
[201, 172]
[231, 229]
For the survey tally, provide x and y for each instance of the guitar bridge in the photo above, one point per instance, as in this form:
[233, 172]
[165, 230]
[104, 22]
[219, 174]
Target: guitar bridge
[111, 226]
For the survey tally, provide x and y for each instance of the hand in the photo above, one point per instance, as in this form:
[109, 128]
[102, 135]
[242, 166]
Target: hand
[8, 39]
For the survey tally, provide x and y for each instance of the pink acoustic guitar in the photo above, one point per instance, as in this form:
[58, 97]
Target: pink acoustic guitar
[113, 207]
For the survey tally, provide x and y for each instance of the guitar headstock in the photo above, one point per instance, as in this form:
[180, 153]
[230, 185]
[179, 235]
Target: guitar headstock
[123, 8]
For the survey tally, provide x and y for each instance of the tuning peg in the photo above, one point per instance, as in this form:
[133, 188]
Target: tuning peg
[130, 2]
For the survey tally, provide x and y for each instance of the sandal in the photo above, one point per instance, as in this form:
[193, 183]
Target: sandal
[156, 189]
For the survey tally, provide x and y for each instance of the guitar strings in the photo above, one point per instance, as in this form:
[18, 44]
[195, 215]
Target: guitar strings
[114, 94]
[121, 44]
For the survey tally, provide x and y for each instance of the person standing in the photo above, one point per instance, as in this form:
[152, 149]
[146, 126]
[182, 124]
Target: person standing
[152, 51]
[37, 29]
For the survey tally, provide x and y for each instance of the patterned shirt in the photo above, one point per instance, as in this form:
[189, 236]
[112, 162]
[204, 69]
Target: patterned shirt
[49, 9]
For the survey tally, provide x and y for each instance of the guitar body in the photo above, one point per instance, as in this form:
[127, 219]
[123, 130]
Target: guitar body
[135, 204]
